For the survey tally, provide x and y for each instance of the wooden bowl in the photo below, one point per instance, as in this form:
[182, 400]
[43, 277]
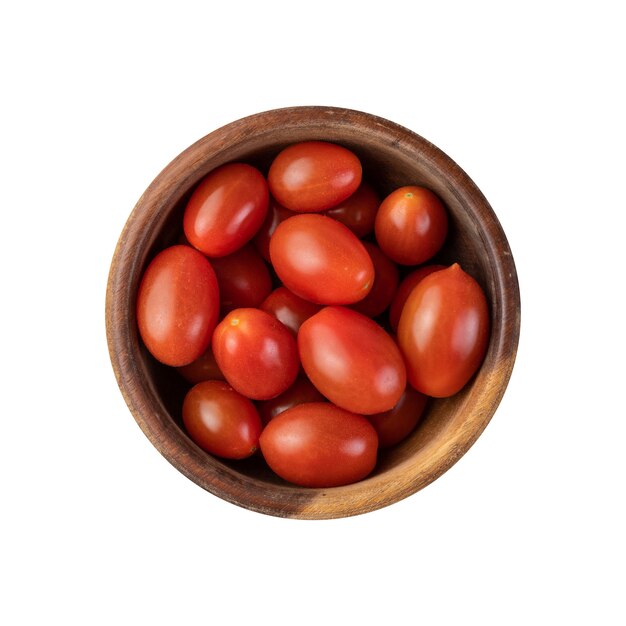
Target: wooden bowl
[392, 156]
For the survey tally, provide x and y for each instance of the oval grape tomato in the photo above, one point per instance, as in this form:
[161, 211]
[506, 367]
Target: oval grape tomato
[320, 445]
[177, 305]
[411, 225]
[313, 176]
[226, 209]
[221, 421]
[321, 260]
[444, 332]
[256, 353]
[352, 361]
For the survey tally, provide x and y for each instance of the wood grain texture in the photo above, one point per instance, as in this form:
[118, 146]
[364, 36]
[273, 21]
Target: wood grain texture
[392, 156]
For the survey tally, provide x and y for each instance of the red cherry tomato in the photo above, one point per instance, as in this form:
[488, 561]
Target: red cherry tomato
[321, 260]
[393, 426]
[320, 445]
[444, 331]
[288, 308]
[405, 288]
[275, 215]
[300, 392]
[352, 360]
[226, 209]
[177, 305]
[203, 368]
[313, 176]
[385, 283]
[411, 225]
[221, 421]
[358, 212]
[256, 353]
[243, 279]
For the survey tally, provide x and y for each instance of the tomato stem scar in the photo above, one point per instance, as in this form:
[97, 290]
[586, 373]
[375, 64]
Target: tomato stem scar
[234, 321]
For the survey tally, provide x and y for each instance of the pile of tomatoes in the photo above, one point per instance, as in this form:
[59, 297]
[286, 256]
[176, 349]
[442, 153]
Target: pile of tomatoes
[298, 336]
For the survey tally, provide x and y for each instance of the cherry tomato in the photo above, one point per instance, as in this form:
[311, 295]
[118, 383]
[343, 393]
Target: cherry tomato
[221, 421]
[275, 215]
[405, 288]
[444, 331]
[256, 353]
[319, 445]
[243, 279]
[394, 425]
[411, 225]
[203, 368]
[321, 260]
[352, 361]
[226, 209]
[386, 279]
[313, 176]
[288, 308]
[358, 212]
[177, 305]
[300, 392]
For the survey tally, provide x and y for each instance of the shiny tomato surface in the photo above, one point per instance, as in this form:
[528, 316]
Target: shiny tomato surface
[352, 361]
[313, 176]
[243, 278]
[221, 421]
[358, 212]
[177, 305]
[226, 209]
[256, 353]
[320, 445]
[444, 331]
[411, 225]
[300, 392]
[275, 215]
[288, 308]
[404, 289]
[386, 279]
[321, 260]
[205, 367]
[396, 424]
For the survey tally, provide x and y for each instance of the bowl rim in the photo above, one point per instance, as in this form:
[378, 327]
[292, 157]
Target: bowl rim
[143, 400]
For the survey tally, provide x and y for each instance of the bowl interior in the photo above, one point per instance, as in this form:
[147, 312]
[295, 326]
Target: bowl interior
[391, 156]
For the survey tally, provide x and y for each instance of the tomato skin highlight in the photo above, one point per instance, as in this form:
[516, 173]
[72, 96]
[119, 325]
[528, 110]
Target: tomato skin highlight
[405, 288]
[300, 392]
[411, 225]
[444, 332]
[319, 445]
[386, 278]
[396, 424]
[352, 361]
[289, 308]
[313, 176]
[226, 209]
[221, 421]
[177, 305]
[321, 260]
[243, 278]
[358, 212]
[256, 353]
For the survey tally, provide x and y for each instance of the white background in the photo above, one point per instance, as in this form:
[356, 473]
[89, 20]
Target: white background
[97, 528]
